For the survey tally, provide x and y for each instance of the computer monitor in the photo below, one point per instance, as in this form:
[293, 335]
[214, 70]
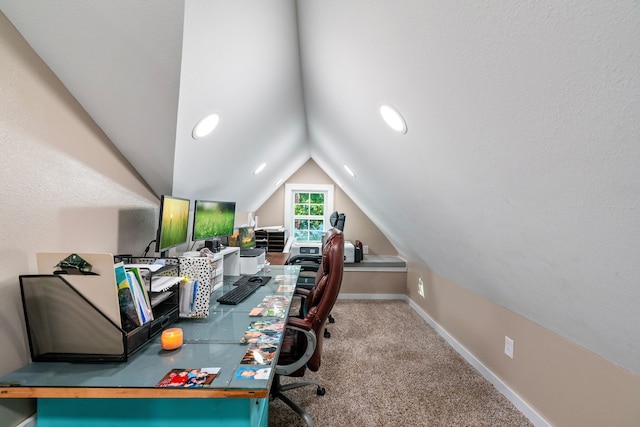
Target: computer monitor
[213, 219]
[173, 223]
[244, 238]
[247, 237]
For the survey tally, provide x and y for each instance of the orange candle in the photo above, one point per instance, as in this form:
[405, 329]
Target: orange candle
[171, 338]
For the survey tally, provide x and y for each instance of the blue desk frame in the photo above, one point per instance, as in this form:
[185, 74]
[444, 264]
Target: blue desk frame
[124, 394]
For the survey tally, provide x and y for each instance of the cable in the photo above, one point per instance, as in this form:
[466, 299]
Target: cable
[147, 248]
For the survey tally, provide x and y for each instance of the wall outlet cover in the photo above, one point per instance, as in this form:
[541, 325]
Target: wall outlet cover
[508, 346]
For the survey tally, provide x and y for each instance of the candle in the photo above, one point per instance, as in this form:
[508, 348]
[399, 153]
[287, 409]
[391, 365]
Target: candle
[171, 338]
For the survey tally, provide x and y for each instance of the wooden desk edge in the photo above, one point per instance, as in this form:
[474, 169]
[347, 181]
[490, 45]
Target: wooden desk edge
[115, 392]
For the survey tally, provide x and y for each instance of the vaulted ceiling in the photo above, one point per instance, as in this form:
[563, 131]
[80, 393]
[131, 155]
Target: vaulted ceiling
[518, 177]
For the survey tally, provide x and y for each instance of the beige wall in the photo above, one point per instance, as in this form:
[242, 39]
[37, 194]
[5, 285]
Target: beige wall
[374, 282]
[357, 225]
[566, 384]
[64, 188]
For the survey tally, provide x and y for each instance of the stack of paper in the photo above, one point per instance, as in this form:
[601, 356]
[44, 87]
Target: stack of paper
[188, 292]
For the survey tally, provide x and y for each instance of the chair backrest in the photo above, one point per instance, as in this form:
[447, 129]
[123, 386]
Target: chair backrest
[325, 292]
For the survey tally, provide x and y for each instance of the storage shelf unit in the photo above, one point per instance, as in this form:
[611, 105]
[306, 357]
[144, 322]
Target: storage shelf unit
[205, 269]
[164, 303]
[274, 241]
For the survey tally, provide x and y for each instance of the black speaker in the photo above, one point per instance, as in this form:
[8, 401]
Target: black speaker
[213, 245]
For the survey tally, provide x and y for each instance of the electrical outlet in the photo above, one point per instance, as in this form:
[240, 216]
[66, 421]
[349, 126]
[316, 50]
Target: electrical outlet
[420, 287]
[508, 346]
[365, 249]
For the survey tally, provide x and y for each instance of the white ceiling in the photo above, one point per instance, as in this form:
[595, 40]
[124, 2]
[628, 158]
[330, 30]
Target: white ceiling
[518, 177]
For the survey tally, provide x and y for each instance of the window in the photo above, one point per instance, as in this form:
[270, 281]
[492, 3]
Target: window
[307, 210]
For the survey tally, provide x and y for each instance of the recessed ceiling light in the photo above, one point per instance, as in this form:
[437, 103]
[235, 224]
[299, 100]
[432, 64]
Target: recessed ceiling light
[393, 118]
[350, 171]
[260, 168]
[205, 126]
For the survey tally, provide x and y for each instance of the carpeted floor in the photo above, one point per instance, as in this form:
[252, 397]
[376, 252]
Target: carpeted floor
[385, 366]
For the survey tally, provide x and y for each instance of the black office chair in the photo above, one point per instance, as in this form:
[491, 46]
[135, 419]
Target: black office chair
[302, 340]
[337, 220]
[307, 263]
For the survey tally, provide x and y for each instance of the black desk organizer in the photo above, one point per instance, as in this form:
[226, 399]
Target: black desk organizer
[164, 304]
[65, 321]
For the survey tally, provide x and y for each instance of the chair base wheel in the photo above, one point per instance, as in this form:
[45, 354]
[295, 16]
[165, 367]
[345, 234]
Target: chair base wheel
[327, 334]
[321, 391]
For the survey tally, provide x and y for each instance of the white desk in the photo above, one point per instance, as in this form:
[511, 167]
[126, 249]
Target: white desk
[252, 264]
[231, 261]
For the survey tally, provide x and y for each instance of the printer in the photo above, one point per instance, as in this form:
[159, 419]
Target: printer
[315, 248]
[350, 253]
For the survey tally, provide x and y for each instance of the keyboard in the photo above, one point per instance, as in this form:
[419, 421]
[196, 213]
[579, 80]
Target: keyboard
[239, 293]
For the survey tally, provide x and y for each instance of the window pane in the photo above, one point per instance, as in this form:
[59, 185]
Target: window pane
[317, 198]
[301, 209]
[308, 214]
[303, 198]
[315, 236]
[316, 224]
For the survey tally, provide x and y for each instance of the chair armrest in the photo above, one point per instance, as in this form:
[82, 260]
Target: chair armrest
[301, 326]
[301, 292]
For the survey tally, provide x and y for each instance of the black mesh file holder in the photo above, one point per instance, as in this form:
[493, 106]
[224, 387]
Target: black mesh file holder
[64, 326]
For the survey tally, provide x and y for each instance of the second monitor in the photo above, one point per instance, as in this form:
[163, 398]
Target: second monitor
[212, 220]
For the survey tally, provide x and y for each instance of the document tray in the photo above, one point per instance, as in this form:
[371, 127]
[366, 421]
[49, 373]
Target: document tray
[64, 326]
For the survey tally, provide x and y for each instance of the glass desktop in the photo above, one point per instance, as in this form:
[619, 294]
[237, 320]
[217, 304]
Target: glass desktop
[215, 341]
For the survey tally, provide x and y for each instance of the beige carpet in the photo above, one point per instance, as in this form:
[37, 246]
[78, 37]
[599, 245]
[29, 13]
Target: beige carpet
[385, 366]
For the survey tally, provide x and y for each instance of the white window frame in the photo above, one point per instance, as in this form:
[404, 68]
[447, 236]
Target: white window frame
[290, 189]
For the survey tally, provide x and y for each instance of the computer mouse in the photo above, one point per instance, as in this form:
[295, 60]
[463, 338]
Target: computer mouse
[256, 279]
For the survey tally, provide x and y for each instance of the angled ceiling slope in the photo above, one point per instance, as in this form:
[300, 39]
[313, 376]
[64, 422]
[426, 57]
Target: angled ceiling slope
[121, 61]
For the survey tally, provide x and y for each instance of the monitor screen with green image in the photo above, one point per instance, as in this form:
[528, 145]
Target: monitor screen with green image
[173, 223]
[213, 219]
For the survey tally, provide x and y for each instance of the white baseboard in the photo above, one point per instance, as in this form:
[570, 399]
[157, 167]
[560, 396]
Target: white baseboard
[372, 296]
[533, 416]
[503, 388]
